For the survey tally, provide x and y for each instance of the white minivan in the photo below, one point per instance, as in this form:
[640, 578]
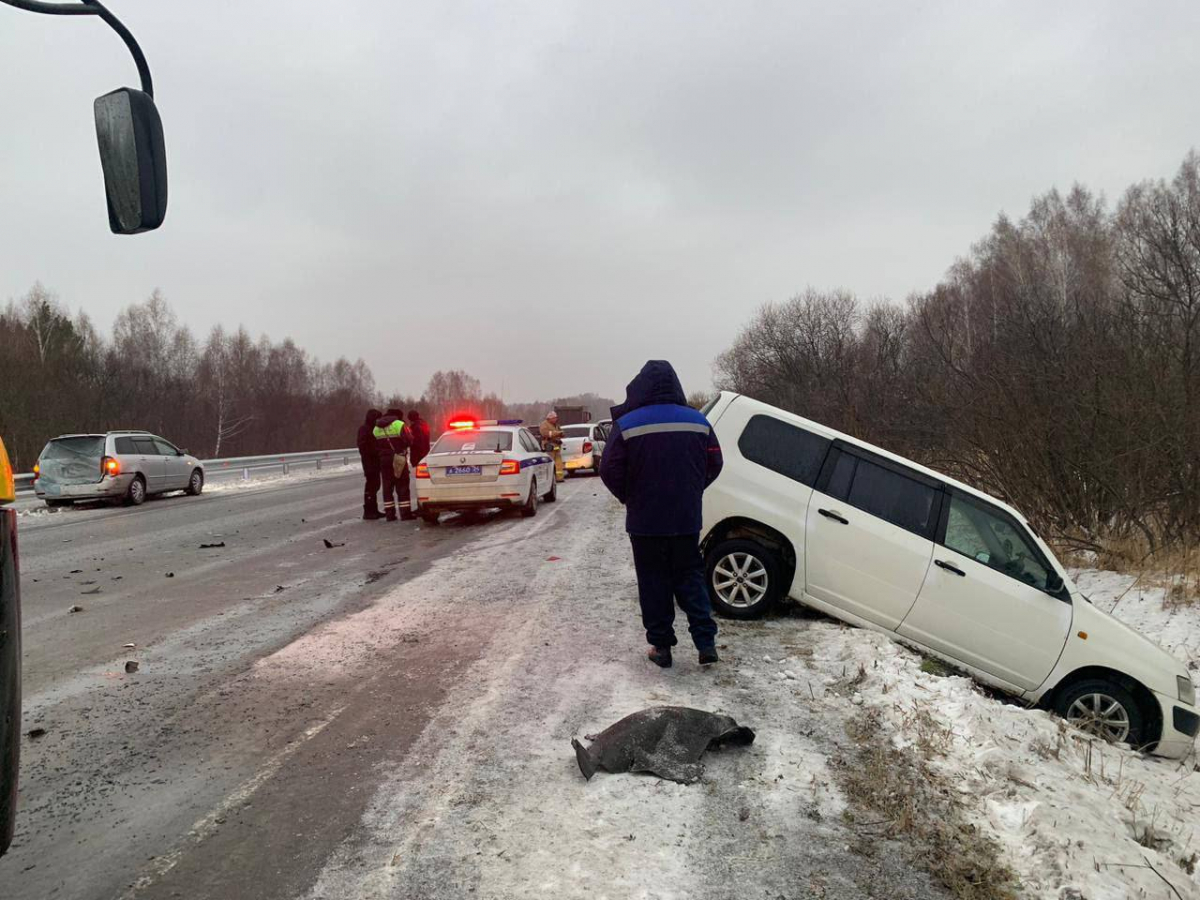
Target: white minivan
[881, 542]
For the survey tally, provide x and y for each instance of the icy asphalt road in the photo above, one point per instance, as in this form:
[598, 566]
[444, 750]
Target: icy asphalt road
[391, 718]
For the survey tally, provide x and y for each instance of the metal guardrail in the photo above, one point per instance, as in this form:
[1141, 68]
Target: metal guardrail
[243, 465]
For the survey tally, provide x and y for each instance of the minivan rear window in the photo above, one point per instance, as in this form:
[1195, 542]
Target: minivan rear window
[85, 447]
[787, 449]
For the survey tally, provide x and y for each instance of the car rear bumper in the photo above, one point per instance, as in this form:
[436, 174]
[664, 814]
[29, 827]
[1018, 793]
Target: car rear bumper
[107, 488]
[586, 461]
[1180, 723]
[471, 496]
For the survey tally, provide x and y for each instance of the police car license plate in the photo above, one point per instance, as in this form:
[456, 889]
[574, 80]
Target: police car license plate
[464, 470]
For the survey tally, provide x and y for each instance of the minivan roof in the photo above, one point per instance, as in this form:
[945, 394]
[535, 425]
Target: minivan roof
[834, 434]
[97, 434]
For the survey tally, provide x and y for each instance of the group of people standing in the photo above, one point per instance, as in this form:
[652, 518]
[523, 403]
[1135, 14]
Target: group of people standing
[390, 448]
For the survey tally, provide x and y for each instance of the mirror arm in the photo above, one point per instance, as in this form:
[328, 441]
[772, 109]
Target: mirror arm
[94, 8]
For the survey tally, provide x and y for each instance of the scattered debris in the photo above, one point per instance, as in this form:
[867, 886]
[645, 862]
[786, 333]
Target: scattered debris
[553, 559]
[34, 733]
[117, 577]
[666, 741]
[329, 545]
[131, 646]
[744, 814]
[76, 571]
[131, 666]
[410, 638]
[279, 588]
[94, 590]
[75, 609]
[86, 583]
[170, 574]
[215, 546]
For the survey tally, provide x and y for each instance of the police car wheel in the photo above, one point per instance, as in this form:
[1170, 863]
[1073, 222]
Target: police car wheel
[553, 495]
[530, 507]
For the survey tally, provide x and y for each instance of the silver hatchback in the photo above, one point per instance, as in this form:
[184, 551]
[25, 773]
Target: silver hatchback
[124, 466]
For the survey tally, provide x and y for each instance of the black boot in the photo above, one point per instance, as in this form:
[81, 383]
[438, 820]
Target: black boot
[407, 515]
[371, 514]
[660, 656]
[708, 657]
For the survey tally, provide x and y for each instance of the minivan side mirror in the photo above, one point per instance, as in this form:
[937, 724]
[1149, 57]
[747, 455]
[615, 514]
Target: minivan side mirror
[1054, 583]
[134, 159]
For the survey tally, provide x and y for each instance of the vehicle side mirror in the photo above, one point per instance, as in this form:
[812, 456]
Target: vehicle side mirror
[182, 452]
[1054, 583]
[134, 159]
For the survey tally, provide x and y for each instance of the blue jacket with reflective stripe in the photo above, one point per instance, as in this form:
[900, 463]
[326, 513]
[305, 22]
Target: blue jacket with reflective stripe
[660, 456]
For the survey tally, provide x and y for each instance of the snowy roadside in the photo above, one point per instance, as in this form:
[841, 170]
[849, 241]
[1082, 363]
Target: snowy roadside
[489, 802]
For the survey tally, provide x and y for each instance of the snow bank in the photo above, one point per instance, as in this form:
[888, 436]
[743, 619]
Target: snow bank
[1075, 817]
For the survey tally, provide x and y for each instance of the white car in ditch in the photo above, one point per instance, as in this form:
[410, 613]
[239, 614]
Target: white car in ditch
[485, 465]
[878, 541]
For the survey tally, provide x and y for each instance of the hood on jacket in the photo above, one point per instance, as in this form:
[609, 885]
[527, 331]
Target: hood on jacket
[372, 417]
[656, 383]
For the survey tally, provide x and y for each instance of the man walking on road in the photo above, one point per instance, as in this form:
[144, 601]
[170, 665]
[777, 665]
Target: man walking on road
[368, 455]
[391, 442]
[552, 437]
[659, 459]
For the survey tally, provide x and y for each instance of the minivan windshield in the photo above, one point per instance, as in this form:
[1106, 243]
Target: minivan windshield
[88, 446]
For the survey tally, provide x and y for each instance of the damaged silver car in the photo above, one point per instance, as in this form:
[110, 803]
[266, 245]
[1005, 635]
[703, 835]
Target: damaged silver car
[121, 466]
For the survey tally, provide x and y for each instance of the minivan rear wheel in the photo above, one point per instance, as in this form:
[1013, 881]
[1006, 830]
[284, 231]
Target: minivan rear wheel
[743, 578]
[135, 494]
[1104, 709]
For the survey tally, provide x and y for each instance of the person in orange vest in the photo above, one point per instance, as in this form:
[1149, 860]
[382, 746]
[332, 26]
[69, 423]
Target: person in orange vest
[552, 438]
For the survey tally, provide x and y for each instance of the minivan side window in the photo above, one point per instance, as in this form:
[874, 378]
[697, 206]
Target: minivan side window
[784, 448]
[885, 493]
[991, 537]
[165, 448]
[145, 446]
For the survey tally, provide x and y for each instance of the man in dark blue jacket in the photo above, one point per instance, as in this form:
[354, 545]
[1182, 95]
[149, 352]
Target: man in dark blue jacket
[660, 457]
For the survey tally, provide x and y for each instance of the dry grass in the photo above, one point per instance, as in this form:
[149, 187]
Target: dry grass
[898, 787]
[1175, 569]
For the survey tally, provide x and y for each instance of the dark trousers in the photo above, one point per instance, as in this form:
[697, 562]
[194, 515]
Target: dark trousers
[670, 570]
[396, 495]
[371, 491]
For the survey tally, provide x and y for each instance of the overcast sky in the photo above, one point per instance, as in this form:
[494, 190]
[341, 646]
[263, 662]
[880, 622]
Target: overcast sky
[547, 194]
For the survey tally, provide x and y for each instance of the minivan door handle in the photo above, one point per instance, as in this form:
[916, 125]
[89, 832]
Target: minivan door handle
[950, 567]
[832, 515]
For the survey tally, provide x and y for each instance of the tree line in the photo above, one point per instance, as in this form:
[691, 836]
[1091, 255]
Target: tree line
[1056, 366]
[226, 395]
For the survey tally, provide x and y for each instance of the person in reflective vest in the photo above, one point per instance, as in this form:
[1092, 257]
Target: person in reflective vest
[552, 439]
[392, 442]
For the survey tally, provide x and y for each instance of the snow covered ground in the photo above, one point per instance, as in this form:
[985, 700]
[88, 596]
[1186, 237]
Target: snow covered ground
[489, 803]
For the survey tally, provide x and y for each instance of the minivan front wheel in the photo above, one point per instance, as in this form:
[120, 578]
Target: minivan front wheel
[743, 578]
[1104, 709]
[135, 494]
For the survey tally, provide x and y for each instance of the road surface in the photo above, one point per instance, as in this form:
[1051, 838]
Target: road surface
[390, 717]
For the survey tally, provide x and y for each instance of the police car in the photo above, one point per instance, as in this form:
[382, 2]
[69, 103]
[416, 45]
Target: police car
[494, 464]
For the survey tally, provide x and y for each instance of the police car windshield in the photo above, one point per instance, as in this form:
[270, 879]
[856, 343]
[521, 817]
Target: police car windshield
[474, 442]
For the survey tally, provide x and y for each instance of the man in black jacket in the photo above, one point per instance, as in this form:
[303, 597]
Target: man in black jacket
[659, 459]
[369, 457]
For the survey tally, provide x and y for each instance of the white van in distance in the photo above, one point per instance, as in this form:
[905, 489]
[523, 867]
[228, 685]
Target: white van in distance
[881, 542]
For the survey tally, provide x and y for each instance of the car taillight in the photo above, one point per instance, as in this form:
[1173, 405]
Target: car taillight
[37, 470]
[110, 466]
[422, 470]
[587, 446]
[510, 467]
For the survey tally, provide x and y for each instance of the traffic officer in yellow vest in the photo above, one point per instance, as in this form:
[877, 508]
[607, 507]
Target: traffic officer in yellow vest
[392, 441]
[552, 438]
